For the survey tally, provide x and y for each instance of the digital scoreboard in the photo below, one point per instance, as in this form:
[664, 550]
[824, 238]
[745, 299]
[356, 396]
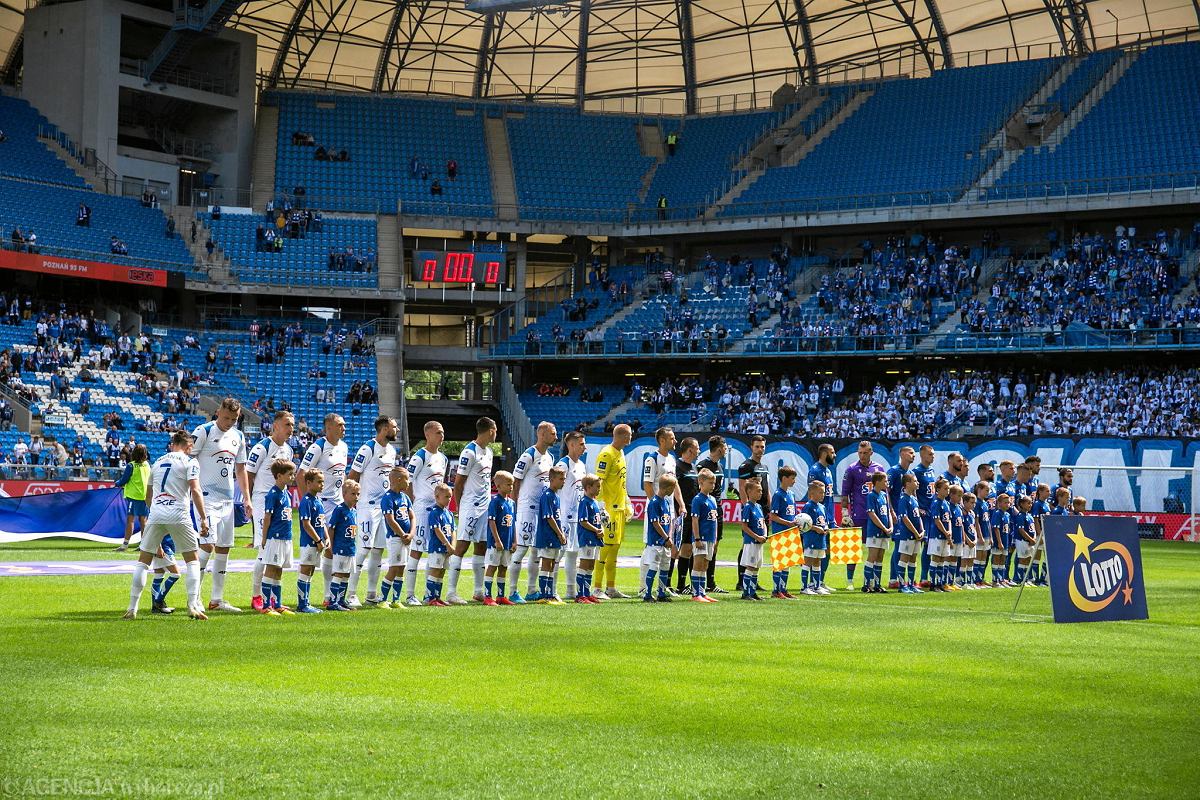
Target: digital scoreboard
[460, 267]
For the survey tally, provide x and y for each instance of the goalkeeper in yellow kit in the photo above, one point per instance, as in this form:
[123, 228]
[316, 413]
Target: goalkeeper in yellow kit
[615, 497]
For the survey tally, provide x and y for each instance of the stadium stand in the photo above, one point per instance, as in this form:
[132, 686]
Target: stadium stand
[566, 407]
[327, 251]
[21, 154]
[382, 137]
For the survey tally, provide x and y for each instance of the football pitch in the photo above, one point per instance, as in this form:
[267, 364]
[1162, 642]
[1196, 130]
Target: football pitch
[847, 696]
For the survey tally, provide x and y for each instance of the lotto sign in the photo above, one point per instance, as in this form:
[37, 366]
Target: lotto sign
[1095, 569]
[845, 545]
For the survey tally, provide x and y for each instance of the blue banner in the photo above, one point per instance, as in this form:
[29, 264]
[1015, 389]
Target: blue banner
[1095, 569]
[98, 515]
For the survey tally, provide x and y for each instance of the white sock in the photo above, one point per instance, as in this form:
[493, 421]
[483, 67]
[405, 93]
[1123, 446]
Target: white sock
[374, 562]
[477, 571]
[204, 557]
[219, 562]
[191, 583]
[514, 567]
[256, 579]
[531, 566]
[327, 574]
[139, 584]
[352, 583]
[452, 575]
[410, 575]
[572, 568]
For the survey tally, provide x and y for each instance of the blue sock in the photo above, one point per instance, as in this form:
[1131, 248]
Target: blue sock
[805, 577]
[896, 573]
[580, 584]
[156, 588]
[171, 579]
[487, 587]
[664, 580]
[698, 586]
[912, 574]
[277, 594]
[302, 587]
[385, 588]
[850, 573]
[783, 580]
[429, 589]
[819, 578]
[500, 588]
[650, 575]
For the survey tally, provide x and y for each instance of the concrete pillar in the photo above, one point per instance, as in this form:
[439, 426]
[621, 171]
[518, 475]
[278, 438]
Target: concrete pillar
[521, 248]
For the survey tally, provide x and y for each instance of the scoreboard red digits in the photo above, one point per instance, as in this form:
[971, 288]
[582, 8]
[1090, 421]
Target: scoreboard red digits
[459, 267]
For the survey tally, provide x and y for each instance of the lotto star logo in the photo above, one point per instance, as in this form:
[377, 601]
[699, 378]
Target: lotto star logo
[1100, 573]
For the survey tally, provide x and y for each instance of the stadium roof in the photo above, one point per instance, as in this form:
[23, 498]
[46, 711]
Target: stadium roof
[683, 51]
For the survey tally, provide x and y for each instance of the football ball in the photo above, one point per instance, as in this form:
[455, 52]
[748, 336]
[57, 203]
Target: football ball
[804, 522]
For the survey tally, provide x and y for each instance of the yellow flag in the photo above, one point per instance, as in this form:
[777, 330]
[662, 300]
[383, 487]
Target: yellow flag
[787, 551]
[845, 545]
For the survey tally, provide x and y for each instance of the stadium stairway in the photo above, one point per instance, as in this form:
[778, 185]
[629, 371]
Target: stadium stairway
[504, 185]
[266, 145]
[988, 271]
[85, 175]
[618, 412]
[650, 139]
[802, 288]
[391, 266]
[767, 145]
[1109, 80]
[790, 156]
[218, 268]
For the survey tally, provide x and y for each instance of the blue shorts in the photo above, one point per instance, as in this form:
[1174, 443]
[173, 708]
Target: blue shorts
[137, 508]
[815, 541]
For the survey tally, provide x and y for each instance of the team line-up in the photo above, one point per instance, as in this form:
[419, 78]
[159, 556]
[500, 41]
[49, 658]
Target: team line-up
[380, 513]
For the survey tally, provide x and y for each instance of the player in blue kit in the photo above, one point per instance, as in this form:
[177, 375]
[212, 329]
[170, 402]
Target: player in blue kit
[397, 515]
[314, 544]
[1002, 531]
[343, 533]
[591, 520]
[550, 539]
[754, 533]
[940, 535]
[501, 517]
[926, 477]
[822, 470]
[966, 563]
[815, 540]
[910, 532]
[660, 542]
[441, 542]
[895, 475]
[706, 523]
[783, 516]
[983, 532]
[957, 537]
[276, 544]
[1040, 510]
[876, 534]
[1025, 536]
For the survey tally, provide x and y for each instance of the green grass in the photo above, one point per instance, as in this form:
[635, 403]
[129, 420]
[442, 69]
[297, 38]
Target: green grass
[847, 696]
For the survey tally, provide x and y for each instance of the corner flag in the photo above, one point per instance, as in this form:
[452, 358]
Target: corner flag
[845, 545]
[787, 550]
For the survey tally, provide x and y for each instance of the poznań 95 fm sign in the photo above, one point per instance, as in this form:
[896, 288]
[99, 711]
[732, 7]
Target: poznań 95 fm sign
[1095, 569]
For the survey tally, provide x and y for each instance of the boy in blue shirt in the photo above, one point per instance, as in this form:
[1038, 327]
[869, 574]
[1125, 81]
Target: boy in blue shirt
[441, 542]
[501, 514]
[940, 535]
[814, 540]
[1026, 538]
[754, 533]
[275, 549]
[876, 534]
[910, 529]
[343, 533]
[1062, 503]
[783, 516]
[983, 532]
[591, 527]
[706, 522]
[1041, 509]
[1002, 526]
[957, 533]
[966, 564]
[313, 542]
[549, 539]
[660, 544]
[396, 509]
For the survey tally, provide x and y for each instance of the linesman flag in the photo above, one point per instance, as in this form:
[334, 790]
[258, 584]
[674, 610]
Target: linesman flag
[845, 545]
[787, 550]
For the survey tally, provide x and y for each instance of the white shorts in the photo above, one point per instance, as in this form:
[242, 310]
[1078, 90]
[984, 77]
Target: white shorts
[877, 543]
[571, 533]
[277, 553]
[498, 557]
[656, 556]
[552, 553]
[397, 552]
[526, 527]
[701, 548]
[161, 563]
[752, 555]
[472, 528]
[371, 531]
[812, 552]
[310, 556]
[589, 553]
[981, 548]
[220, 527]
[435, 560]
[1024, 548]
[939, 548]
[998, 551]
[908, 547]
[343, 565]
[181, 532]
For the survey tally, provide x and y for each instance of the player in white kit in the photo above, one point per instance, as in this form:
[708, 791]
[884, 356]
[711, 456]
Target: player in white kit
[568, 499]
[258, 464]
[176, 502]
[220, 450]
[530, 475]
[329, 455]
[657, 464]
[372, 468]
[472, 495]
[427, 468]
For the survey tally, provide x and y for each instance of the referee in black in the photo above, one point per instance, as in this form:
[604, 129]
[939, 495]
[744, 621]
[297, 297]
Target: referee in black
[753, 467]
[685, 473]
[713, 463]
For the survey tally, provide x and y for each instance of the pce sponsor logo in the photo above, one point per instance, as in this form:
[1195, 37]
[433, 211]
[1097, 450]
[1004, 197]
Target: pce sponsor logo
[1100, 573]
